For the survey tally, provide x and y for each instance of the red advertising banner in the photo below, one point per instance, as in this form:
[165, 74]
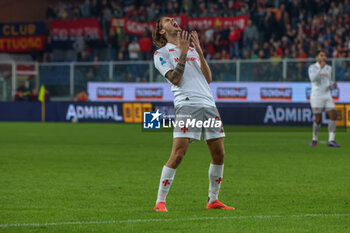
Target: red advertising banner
[68, 30]
[240, 21]
[212, 22]
[138, 28]
[22, 43]
[182, 19]
[117, 22]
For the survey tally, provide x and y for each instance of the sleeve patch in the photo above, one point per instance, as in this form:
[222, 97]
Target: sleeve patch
[162, 61]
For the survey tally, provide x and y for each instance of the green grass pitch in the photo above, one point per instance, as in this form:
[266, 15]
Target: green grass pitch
[64, 177]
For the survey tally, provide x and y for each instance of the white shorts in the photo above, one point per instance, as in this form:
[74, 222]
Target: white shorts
[185, 113]
[320, 105]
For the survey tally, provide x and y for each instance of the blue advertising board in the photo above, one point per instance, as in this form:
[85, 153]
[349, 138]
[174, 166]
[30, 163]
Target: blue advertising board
[282, 114]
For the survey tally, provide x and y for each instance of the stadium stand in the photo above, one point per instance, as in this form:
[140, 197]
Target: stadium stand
[276, 29]
[278, 34]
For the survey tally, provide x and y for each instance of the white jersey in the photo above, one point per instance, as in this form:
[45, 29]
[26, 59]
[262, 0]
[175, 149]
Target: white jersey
[193, 88]
[321, 80]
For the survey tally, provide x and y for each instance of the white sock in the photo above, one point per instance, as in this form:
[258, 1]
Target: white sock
[166, 180]
[315, 130]
[215, 178]
[331, 129]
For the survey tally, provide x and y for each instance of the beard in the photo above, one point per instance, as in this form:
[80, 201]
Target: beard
[173, 33]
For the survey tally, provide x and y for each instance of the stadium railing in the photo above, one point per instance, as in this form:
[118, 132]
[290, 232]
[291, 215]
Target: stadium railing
[65, 80]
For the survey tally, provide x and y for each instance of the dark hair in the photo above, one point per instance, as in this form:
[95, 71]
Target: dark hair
[159, 39]
[320, 51]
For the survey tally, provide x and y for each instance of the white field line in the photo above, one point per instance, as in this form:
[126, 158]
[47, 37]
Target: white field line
[168, 220]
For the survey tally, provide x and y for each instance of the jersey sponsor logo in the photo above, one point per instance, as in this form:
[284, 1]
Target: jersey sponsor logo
[149, 93]
[187, 59]
[232, 93]
[162, 61]
[273, 93]
[335, 93]
[171, 50]
[109, 93]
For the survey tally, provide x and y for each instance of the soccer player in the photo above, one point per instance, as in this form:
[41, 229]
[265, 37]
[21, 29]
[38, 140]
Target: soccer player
[188, 74]
[321, 99]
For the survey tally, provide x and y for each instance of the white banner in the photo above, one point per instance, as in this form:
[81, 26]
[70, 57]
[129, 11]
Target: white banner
[102, 91]
[222, 91]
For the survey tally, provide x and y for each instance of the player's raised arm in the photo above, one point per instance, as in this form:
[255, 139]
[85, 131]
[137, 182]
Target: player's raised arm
[315, 69]
[175, 76]
[204, 65]
[314, 72]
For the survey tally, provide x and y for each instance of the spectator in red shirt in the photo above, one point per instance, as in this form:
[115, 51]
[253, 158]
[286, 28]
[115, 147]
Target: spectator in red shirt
[211, 50]
[238, 5]
[19, 97]
[33, 96]
[234, 38]
[145, 43]
[82, 97]
[302, 54]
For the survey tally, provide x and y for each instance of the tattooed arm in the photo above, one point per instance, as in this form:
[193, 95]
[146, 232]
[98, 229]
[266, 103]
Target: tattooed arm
[175, 75]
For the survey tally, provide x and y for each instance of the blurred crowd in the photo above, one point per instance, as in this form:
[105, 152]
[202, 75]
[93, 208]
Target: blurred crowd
[276, 28]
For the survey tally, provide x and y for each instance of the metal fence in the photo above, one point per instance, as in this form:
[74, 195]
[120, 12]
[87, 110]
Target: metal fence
[65, 80]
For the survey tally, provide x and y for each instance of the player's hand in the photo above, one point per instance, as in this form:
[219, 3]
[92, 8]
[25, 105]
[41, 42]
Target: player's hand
[184, 41]
[195, 41]
[335, 85]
